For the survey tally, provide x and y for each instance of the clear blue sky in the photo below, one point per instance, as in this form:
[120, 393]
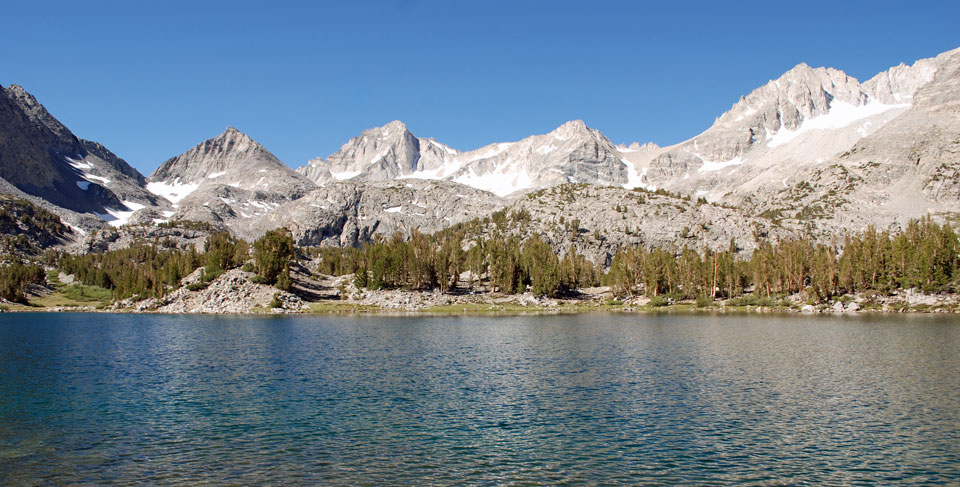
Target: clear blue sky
[152, 79]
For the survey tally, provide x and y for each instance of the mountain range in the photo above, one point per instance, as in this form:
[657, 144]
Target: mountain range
[814, 150]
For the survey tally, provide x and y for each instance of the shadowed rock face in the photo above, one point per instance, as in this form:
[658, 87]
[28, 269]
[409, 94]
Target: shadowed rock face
[41, 157]
[33, 156]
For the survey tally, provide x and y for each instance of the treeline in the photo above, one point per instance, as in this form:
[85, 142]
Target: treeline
[144, 270]
[924, 256]
[427, 262]
[153, 269]
[16, 276]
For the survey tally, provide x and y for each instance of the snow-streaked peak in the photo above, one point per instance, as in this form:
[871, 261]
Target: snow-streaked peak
[571, 152]
[231, 159]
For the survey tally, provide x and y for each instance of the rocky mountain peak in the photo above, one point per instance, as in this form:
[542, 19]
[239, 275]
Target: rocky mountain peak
[379, 153]
[233, 140]
[898, 84]
[230, 153]
[394, 125]
[17, 90]
[573, 128]
[37, 113]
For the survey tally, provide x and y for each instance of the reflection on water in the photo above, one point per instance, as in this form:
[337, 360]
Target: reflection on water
[611, 399]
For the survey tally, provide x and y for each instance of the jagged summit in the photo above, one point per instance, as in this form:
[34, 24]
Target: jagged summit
[37, 113]
[572, 152]
[394, 125]
[818, 137]
[380, 153]
[574, 128]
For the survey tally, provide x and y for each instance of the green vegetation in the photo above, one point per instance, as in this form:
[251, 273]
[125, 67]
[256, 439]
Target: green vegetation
[75, 295]
[222, 252]
[272, 254]
[25, 228]
[16, 277]
[428, 262]
[925, 256]
[143, 270]
[152, 269]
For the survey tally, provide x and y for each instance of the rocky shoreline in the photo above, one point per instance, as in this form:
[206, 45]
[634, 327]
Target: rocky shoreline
[235, 293]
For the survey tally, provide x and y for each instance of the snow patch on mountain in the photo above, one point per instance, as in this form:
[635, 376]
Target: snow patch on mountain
[173, 191]
[841, 114]
[342, 176]
[116, 217]
[634, 179]
[709, 166]
[501, 182]
[78, 165]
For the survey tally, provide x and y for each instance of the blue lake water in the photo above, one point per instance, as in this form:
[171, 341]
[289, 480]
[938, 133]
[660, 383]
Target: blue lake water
[551, 400]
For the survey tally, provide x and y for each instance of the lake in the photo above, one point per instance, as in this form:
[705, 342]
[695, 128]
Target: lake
[533, 400]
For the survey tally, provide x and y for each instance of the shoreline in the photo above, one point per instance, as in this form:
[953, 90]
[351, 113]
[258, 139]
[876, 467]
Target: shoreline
[499, 309]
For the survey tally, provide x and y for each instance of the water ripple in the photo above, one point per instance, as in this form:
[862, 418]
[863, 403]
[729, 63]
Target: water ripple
[590, 399]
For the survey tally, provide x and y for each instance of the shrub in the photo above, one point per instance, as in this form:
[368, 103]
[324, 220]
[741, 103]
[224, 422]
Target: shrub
[659, 301]
[272, 254]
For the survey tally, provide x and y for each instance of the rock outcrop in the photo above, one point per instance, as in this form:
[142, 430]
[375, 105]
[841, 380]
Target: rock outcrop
[232, 292]
[347, 214]
[597, 222]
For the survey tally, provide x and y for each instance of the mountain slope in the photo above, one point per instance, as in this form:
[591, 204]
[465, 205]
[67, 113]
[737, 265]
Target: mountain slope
[224, 180]
[42, 158]
[233, 159]
[786, 148]
[344, 214]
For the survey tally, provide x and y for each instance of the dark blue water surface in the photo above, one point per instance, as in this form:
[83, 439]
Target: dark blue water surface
[588, 399]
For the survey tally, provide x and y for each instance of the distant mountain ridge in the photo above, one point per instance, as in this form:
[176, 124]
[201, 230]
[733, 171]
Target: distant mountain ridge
[571, 153]
[814, 149]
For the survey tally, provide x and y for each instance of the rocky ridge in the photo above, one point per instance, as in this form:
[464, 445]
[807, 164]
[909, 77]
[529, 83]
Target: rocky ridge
[814, 150]
[598, 221]
[41, 157]
[790, 148]
[345, 214]
[571, 153]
